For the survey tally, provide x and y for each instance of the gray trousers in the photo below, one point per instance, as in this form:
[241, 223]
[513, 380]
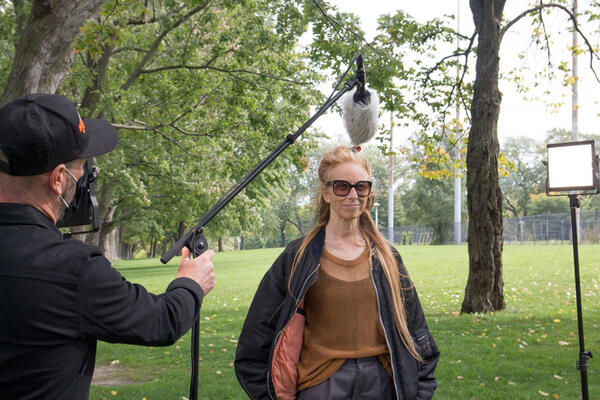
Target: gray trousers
[357, 379]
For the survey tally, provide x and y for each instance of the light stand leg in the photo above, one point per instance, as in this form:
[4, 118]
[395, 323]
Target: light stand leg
[583, 355]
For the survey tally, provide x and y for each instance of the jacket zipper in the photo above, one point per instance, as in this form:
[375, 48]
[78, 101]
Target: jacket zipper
[302, 291]
[387, 340]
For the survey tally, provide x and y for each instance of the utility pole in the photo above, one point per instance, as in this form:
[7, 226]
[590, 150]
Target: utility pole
[574, 85]
[391, 183]
[575, 102]
[457, 180]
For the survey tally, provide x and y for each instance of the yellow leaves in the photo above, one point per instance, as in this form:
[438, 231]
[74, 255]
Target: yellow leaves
[113, 392]
[556, 321]
[505, 166]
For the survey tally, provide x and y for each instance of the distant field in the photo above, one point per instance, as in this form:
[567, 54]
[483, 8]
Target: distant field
[527, 351]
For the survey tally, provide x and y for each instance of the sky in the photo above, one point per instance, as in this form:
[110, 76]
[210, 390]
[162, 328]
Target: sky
[518, 117]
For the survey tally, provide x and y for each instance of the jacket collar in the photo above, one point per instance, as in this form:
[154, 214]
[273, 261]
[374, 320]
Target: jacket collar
[316, 245]
[24, 214]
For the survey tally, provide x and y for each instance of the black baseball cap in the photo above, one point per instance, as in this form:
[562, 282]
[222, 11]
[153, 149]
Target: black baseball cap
[40, 131]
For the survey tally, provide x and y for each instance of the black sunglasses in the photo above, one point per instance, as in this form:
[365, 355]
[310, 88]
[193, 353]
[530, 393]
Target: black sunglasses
[343, 188]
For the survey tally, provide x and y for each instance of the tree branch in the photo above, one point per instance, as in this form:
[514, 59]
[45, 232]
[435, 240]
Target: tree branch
[145, 127]
[336, 24]
[540, 7]
[142, 21]
[231, 72]
[440, 62]
[152, 50]
[511, 206]
[547, 40]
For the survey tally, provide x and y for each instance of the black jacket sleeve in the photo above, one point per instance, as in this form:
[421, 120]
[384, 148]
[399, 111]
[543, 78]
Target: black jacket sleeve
[422, 338]
[115, 310]
[259, 330]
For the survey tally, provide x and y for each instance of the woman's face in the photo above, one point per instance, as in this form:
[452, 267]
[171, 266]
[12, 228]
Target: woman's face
[350, 206]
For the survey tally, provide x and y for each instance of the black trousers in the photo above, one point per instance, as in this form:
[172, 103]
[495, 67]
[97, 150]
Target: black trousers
[357, 379]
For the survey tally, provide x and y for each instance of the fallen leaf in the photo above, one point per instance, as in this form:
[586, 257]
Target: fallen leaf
[543, 393]
[115, 362]
[460, 377]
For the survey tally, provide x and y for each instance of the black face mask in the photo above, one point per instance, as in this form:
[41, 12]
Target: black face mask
[82, 210]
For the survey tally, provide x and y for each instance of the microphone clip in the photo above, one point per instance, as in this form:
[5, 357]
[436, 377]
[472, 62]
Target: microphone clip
[361, 95]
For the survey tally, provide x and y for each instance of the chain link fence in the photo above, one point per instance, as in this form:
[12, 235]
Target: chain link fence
[532, 229]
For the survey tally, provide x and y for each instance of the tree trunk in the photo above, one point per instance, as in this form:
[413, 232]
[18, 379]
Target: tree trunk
[165, 244]
[299, 225]
[108, 235]
[220, 244]
[180, 230]
[43, 53]
[154, 246]
[282, 230]
[152, 249]
[242, 242]
[93, 92]
[484, 290]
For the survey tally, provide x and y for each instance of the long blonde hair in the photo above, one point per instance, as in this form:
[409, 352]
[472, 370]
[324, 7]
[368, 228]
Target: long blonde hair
[368, 230]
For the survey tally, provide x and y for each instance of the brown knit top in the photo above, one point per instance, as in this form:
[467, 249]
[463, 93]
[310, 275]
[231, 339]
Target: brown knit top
[342, 322]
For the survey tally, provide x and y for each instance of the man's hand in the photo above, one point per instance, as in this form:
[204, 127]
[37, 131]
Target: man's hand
[200, 269]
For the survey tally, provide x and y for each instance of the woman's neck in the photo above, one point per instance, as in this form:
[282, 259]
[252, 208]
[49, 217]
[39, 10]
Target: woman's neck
[339, 230]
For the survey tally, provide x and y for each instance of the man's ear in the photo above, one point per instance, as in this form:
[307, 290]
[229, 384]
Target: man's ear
[56, 179]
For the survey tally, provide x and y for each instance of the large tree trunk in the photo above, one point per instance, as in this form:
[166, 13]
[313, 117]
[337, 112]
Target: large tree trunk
[107, 238]
[43, 53]
[484, 290]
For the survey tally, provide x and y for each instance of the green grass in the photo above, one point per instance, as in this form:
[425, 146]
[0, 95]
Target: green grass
[527, 351]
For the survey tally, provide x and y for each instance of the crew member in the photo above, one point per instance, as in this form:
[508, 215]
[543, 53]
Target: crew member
[58, 297]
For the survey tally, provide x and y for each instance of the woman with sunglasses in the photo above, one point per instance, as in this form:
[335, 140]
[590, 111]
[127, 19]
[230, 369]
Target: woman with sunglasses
[337, 316]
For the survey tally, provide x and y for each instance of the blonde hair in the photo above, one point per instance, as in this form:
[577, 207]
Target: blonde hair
[369, 232]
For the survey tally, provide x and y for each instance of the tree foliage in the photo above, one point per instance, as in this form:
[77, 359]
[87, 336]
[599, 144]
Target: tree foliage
[199, 91]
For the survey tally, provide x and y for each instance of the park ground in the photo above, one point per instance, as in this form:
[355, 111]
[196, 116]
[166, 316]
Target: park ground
[527, 351]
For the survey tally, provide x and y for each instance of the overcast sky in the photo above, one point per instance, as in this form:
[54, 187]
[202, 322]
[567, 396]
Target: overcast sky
[517, 116]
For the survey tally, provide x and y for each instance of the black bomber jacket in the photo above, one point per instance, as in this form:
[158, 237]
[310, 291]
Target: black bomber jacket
[58, 297]
[273, 307]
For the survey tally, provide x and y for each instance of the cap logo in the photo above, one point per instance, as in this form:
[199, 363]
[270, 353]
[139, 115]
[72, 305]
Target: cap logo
[81, 124]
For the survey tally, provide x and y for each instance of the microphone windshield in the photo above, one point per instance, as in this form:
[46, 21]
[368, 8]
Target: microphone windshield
[360, 116]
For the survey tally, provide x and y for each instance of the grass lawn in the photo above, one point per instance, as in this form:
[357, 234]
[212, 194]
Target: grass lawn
[527, 351]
